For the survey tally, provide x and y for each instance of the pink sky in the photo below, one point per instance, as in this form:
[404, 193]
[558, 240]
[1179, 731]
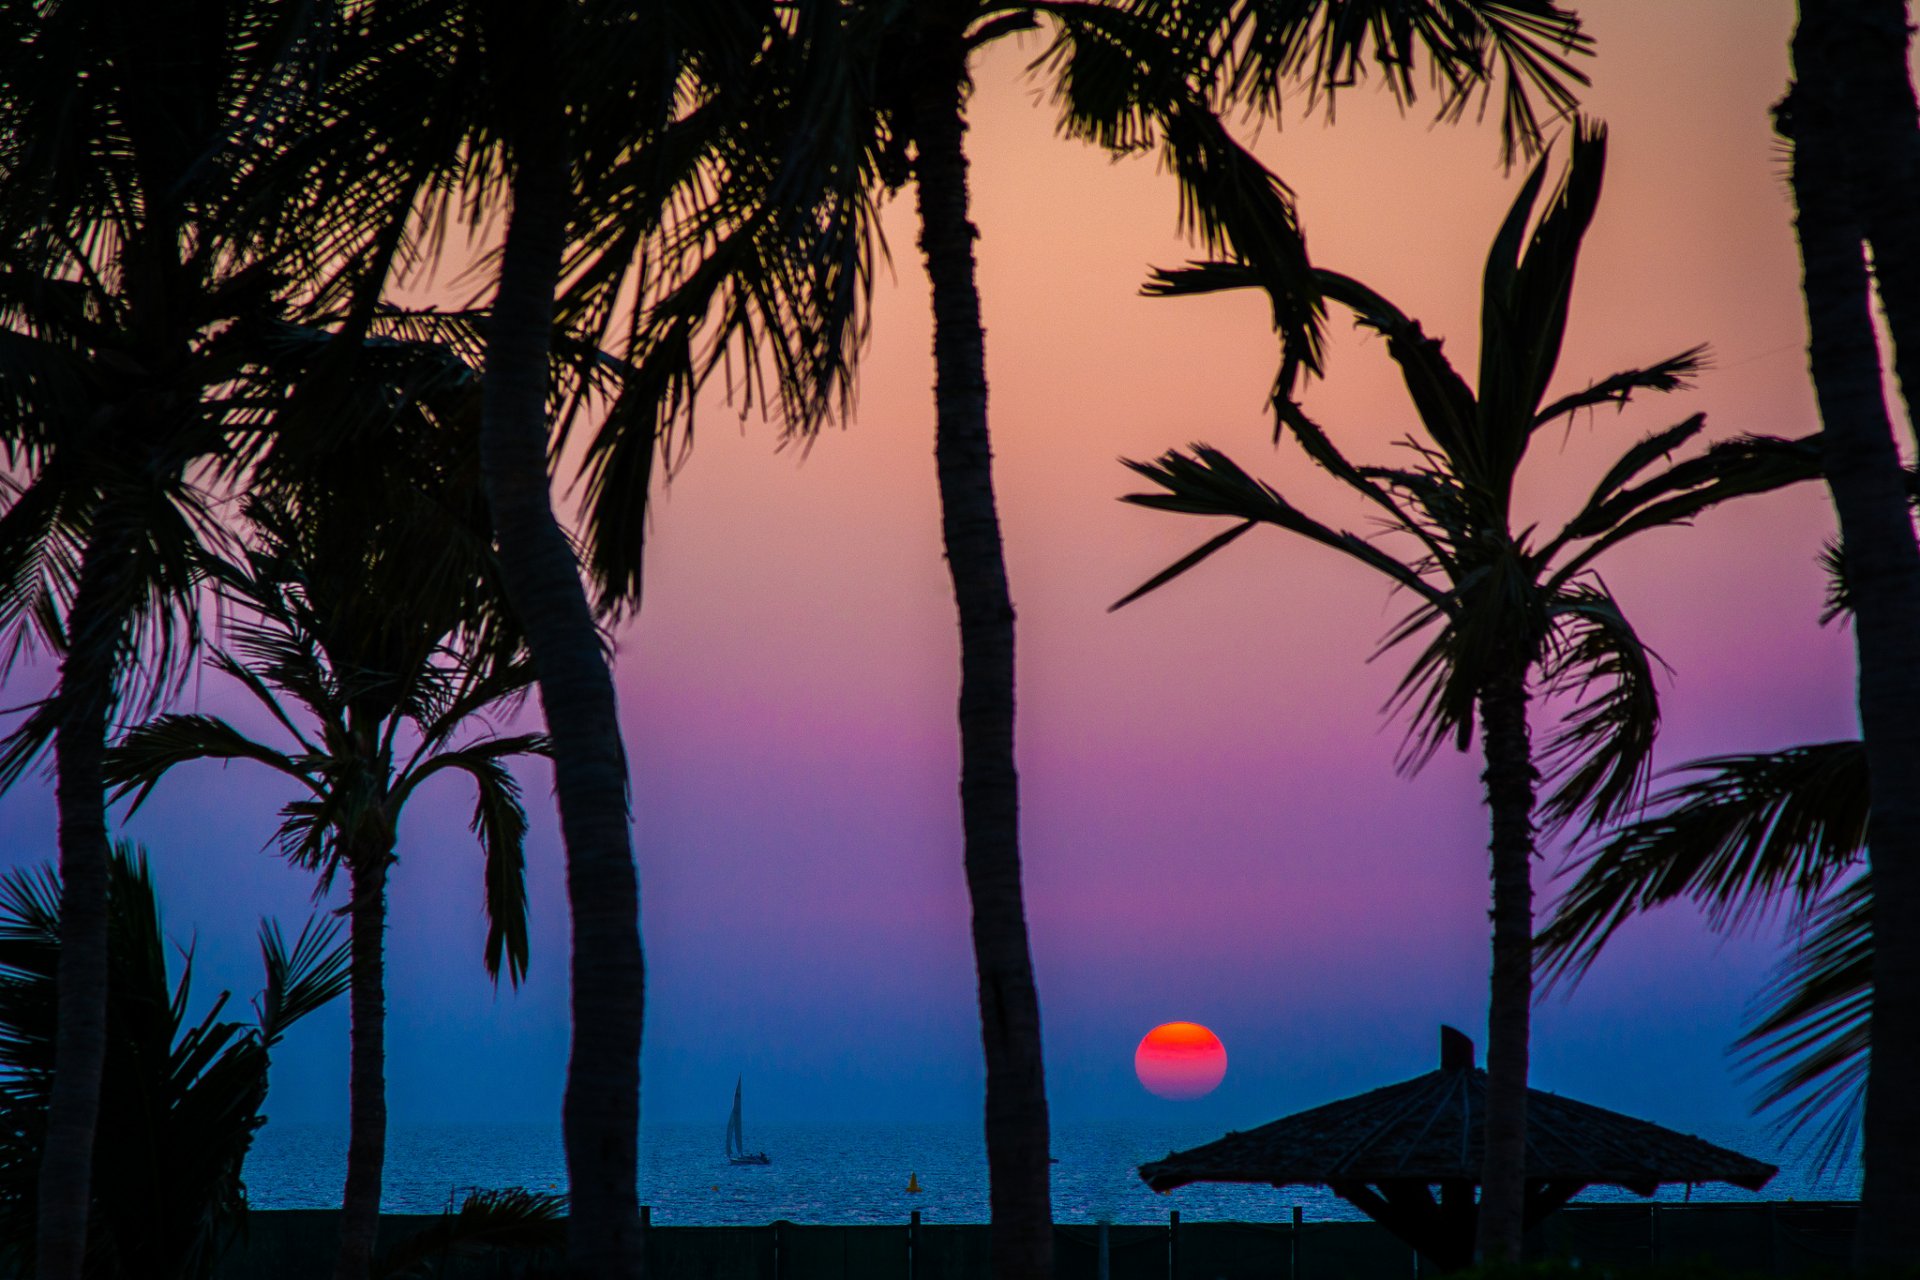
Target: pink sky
[1214, 829]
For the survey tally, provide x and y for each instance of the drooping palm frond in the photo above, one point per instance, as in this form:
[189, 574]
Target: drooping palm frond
[42, 533]
[1810, 1041]
[500, 820]
[1740, 837]
[1122, 85]
[1600, 754]
[136, 763]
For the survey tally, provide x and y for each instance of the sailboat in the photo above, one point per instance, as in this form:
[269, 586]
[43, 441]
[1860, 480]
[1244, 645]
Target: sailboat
[737, 1152]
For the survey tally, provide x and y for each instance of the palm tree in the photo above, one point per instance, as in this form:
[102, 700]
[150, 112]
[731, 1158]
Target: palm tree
[1850, 112]
[137, 262]
[181, 1099]
[358, 607]
[1505, 614]
[616, 133]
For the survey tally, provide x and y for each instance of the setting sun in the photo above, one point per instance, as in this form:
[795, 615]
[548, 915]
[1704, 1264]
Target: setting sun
[1180, 1060]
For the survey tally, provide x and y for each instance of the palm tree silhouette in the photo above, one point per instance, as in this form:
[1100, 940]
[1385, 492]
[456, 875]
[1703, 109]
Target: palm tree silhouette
[578, 116]
[143, 266]
[1854, 128]
[357, 615]
[1505, 614]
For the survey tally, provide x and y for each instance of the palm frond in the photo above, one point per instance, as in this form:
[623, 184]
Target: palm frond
[500, 820]
[1599, 757]
[1810, 1041]
[1660, 444]
[42, 533]
[303, 977]
[135, 764]
[1728, 469]
[1254, 48]
[1527, 291]
[1449, 411]
[1199, 277]
[1234, 203]
[1741, 836]
[1206, 482]
[1672, 374]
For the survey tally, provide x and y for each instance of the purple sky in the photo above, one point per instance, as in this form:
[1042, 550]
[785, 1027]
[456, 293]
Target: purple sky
[1214, 828]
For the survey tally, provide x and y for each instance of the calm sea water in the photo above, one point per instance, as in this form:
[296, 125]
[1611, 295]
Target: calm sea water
[848, 1173]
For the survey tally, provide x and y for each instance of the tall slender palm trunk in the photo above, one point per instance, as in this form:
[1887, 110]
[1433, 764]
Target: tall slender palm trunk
[1870, 39]
[600, 1117]
[367, 1079]
[1883, 568]
[1509, 779]
[86, 694]
[1019, 1194]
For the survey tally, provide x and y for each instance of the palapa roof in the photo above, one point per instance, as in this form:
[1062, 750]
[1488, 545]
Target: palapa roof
[1429, 1130]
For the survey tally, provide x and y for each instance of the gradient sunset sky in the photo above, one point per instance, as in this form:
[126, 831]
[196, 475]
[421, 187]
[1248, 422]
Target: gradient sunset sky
[1214, 829]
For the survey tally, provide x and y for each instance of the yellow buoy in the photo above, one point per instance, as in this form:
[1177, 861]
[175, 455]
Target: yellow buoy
[913, 1184]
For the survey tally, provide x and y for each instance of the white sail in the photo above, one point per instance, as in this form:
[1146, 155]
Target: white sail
[737, 1152]
[736, 1145]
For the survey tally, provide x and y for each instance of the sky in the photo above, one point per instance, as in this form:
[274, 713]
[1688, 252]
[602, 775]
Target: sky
[1214, 829]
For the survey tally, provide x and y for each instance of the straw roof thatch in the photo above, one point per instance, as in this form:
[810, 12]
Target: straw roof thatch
[1429, 1130]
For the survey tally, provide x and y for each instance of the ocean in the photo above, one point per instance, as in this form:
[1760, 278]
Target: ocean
[857, 1173]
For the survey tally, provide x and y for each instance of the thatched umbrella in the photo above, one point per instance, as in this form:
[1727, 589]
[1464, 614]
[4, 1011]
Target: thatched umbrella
[1386, 1151]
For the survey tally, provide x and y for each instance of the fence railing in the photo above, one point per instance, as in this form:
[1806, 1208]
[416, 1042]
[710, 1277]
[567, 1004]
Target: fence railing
[1784, 1239]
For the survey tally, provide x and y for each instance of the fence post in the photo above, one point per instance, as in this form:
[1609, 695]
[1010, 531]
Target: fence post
[646, 1234]
[1102, 1272]
[913, 1246]
[779, 1270]
[1293, 1247]
[1173, 1245]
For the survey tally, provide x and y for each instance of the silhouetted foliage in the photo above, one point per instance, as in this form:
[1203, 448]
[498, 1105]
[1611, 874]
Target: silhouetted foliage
[180, 1098]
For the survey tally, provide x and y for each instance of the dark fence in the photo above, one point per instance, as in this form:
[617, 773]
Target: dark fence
[1763, 1239]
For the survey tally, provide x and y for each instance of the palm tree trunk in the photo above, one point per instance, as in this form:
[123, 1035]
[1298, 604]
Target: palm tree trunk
[1883, 568]
[601, 1114]
[367, 1082]
[1509, 779]
[1870, 38]
[1016, 1113]
[86, 694]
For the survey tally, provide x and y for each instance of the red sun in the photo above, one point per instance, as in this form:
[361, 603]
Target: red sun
[1180, 1060]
